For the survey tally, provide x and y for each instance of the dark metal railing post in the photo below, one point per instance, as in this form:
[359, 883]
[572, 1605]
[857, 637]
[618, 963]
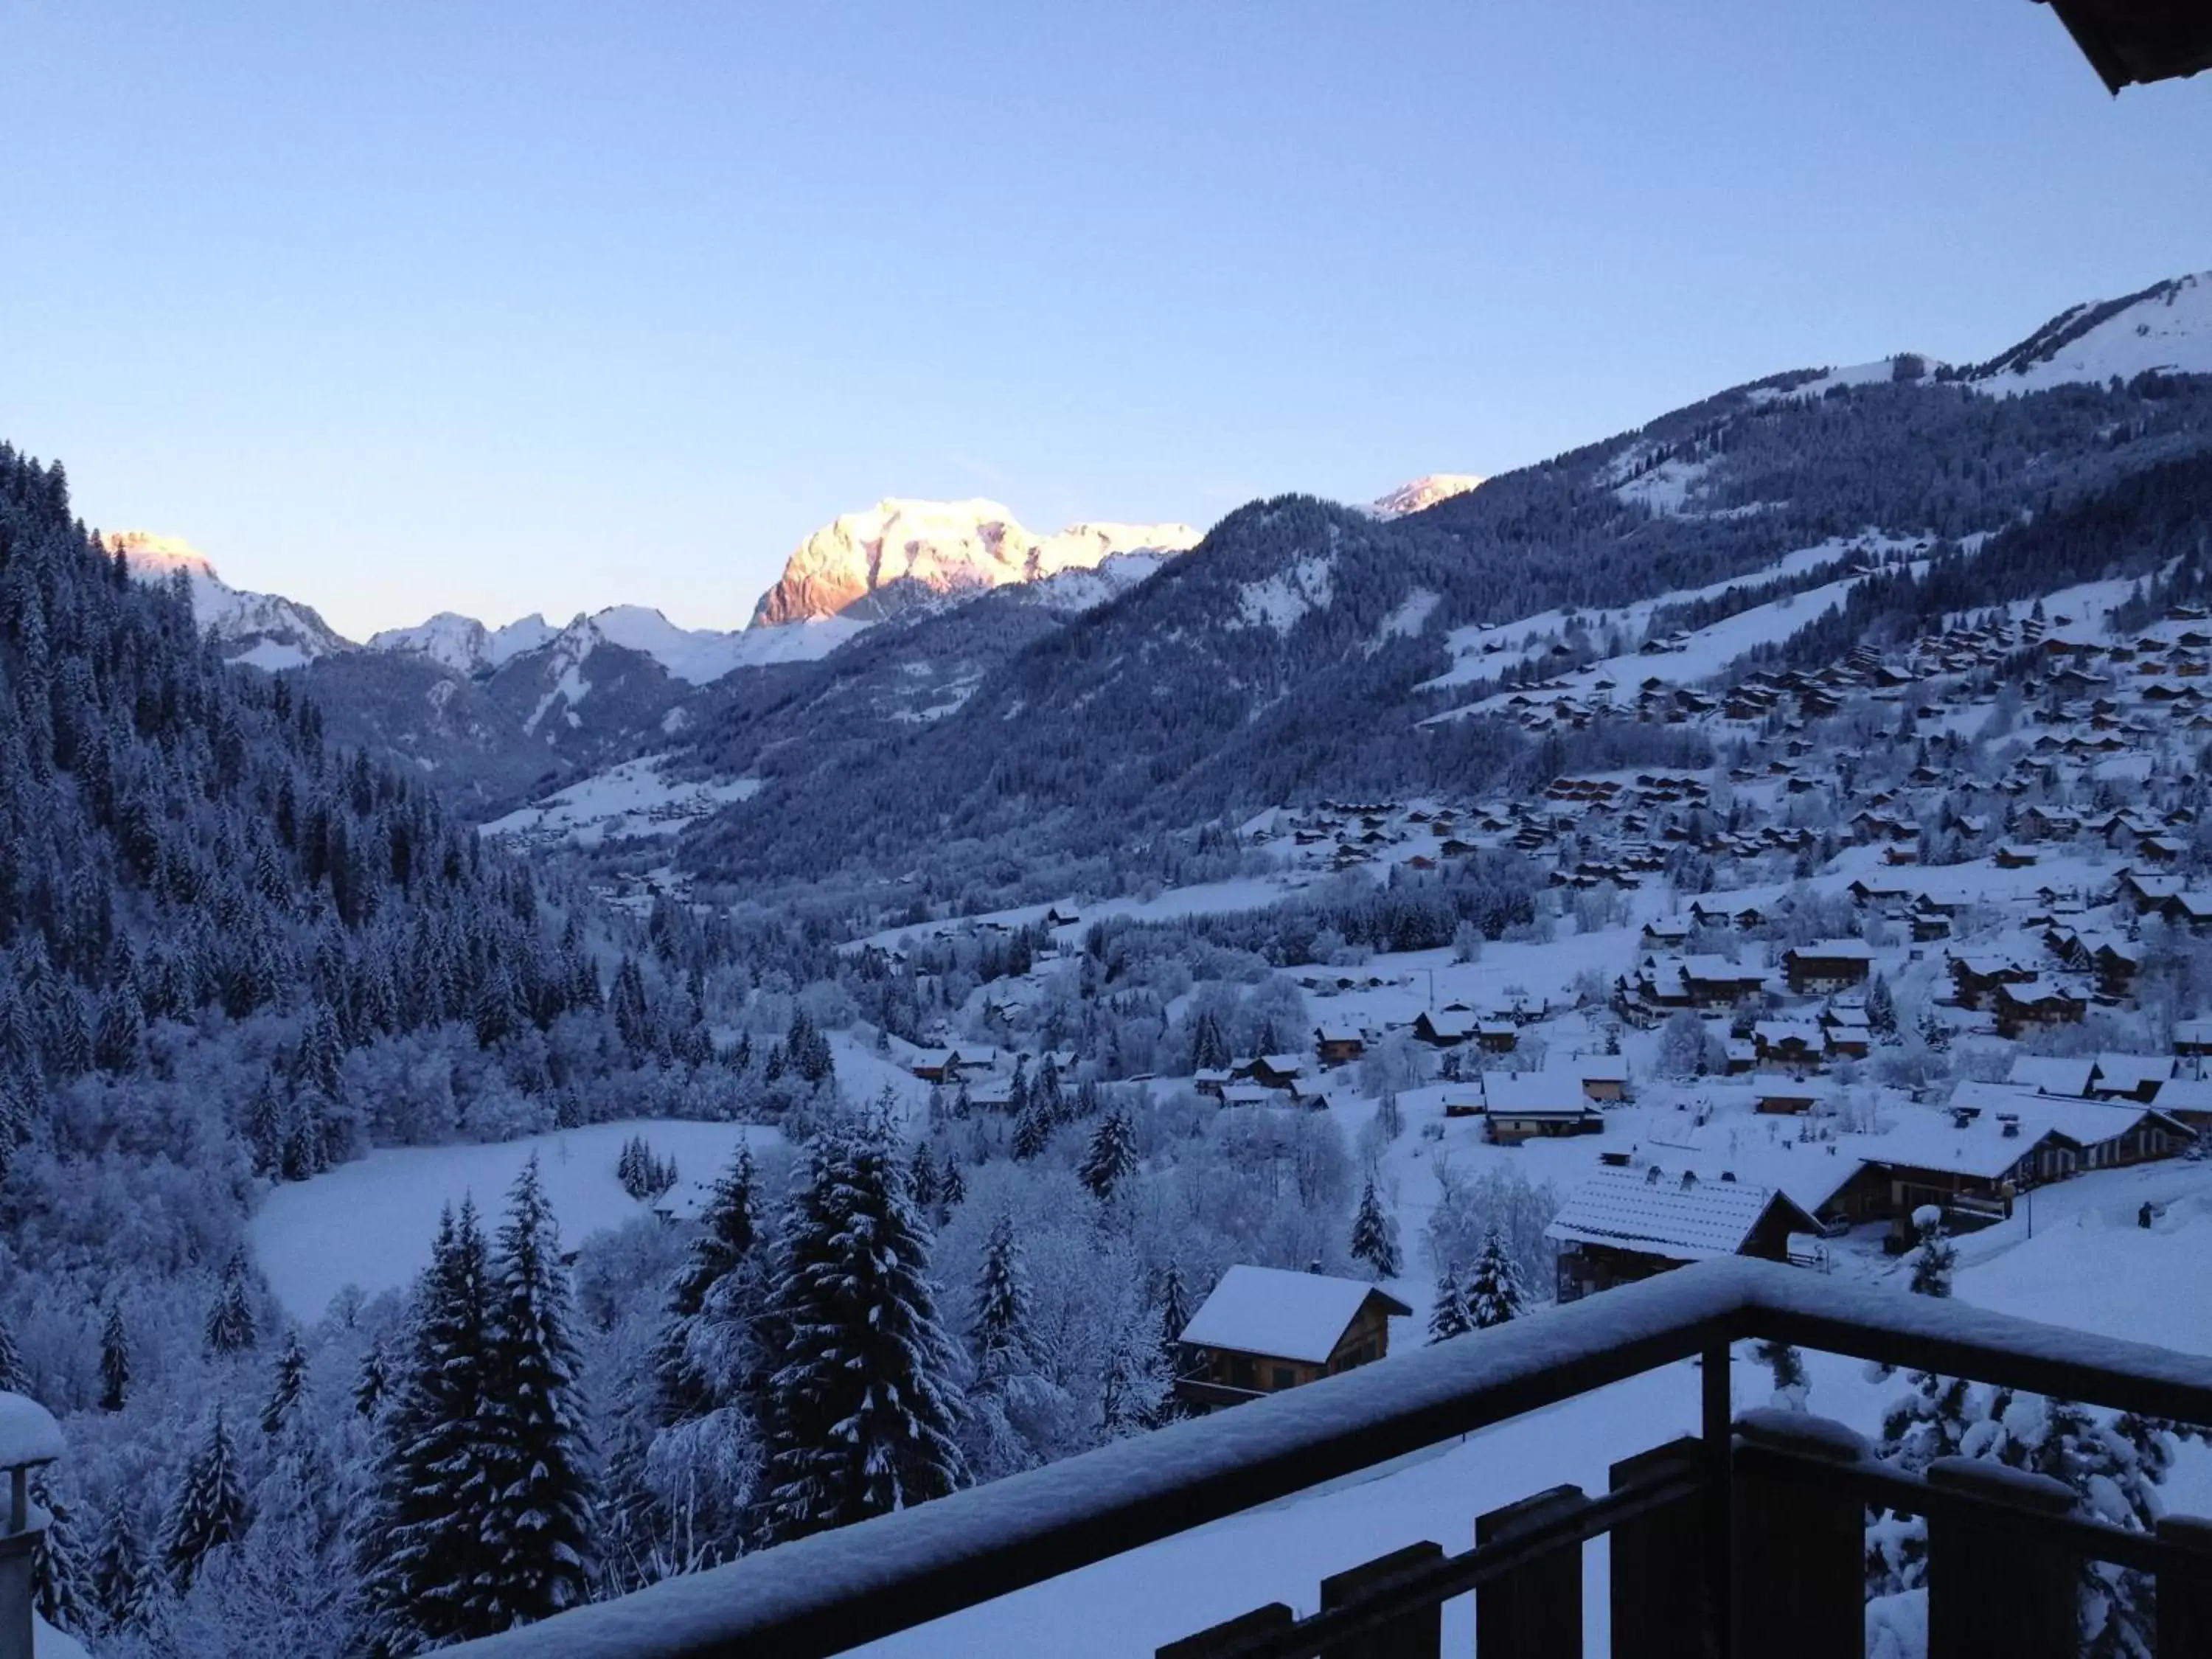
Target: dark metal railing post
[2184, 1594]
[1418, 1633]
[1658, 1563]
[1997, 1593]
[1800, 1561]
[1717, 1424]
[1225, 1636]
[1535, 1612]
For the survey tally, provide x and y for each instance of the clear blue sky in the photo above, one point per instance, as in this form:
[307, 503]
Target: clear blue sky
[499, 308]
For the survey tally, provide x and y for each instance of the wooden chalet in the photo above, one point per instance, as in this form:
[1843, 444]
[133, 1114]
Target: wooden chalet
[1521, 1106]
[1623, 1226]
[1265, 1329]
[1834, 964]
[1338, 1044]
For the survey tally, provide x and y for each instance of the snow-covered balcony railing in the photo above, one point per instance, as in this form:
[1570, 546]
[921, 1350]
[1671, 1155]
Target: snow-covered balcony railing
[1761, 1518]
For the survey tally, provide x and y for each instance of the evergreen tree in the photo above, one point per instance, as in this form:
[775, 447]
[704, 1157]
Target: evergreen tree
[951, 1185]
[724, 1240]
[1209, 1048]
[114, 1361]
[1493, 1293]
[1112, 1158]
[421, 1552]
[12, 1380]
[1032, 1128]
[1175, 1315]
[1936, 1257]
[370, 1389]
[1375, 1236]
[210, 1509]
[863, 1411]
[230, 1322]
[1000, 1339]
[58, 1577]
[284, 1394]
[1448, 1314]
[536, 1534]
[1882, 1008]
[119, 1570]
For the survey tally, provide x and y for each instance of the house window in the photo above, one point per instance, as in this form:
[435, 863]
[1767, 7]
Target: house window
[1286, 1377]
[1241, 1372]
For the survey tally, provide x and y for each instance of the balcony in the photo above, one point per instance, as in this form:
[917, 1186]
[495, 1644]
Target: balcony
[1747, 1538]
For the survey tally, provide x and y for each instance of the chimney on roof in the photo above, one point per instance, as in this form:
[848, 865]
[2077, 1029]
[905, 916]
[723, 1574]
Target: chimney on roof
[1729, 1176]
[1689, 1179]
[1652, 1180]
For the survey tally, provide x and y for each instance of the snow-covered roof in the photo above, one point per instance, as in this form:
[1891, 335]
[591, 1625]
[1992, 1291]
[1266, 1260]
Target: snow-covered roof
[2126, 1073]
[1629, 1209]
[2050, 1074]
[28, 1433]
[1834, 950]
[1285, 1316]
[1534, 1091]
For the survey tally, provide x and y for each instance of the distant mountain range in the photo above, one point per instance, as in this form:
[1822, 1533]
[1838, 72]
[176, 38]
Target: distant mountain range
[1294, 642]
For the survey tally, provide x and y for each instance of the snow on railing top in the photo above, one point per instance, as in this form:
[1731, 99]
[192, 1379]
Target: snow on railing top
[28, 1433]
[838, 1589]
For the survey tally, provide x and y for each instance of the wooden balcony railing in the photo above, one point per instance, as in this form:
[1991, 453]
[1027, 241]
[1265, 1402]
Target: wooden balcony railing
[1747, 1539]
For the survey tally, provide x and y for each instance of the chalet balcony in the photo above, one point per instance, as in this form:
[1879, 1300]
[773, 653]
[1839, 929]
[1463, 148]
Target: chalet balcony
[1746, 1538]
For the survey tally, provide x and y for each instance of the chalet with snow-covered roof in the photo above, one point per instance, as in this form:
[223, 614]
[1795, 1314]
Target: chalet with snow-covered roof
[2035, 1004]
[1272, 1071]
[1834, 964]
[1976, 979]
[1521, 1106]
[1265, 1329]
[1447, 1030]
[1624, 1226]
[1784, 1095]
[1338, 1044]
[1797, 1046]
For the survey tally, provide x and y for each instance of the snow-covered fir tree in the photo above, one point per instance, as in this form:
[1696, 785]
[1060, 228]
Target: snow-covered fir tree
[1493, 1292]
[1448, 1312]
[210, 1507]
[291, 1377]
[536, 1531]
[230, 1321]
[373, 1383]
[114, 1361]
[1111, 1159]
[724, 1242]
[118, 1569]
[865, 1412]
[1375, 1236]
[421, 1551]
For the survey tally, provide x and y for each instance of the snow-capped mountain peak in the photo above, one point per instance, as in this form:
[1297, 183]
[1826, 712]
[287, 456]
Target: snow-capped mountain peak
[1425, 491]
[153, 557]
[903, 549]
[464, 644]
[266, 630]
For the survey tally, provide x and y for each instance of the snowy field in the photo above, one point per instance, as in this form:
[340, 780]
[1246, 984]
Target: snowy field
[369, 1223]
[634, 798]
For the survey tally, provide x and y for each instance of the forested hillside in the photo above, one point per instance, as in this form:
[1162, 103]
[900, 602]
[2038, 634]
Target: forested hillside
[1286, 657]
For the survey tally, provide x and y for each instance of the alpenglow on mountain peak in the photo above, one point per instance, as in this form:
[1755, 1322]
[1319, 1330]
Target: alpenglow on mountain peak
[902, 550]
